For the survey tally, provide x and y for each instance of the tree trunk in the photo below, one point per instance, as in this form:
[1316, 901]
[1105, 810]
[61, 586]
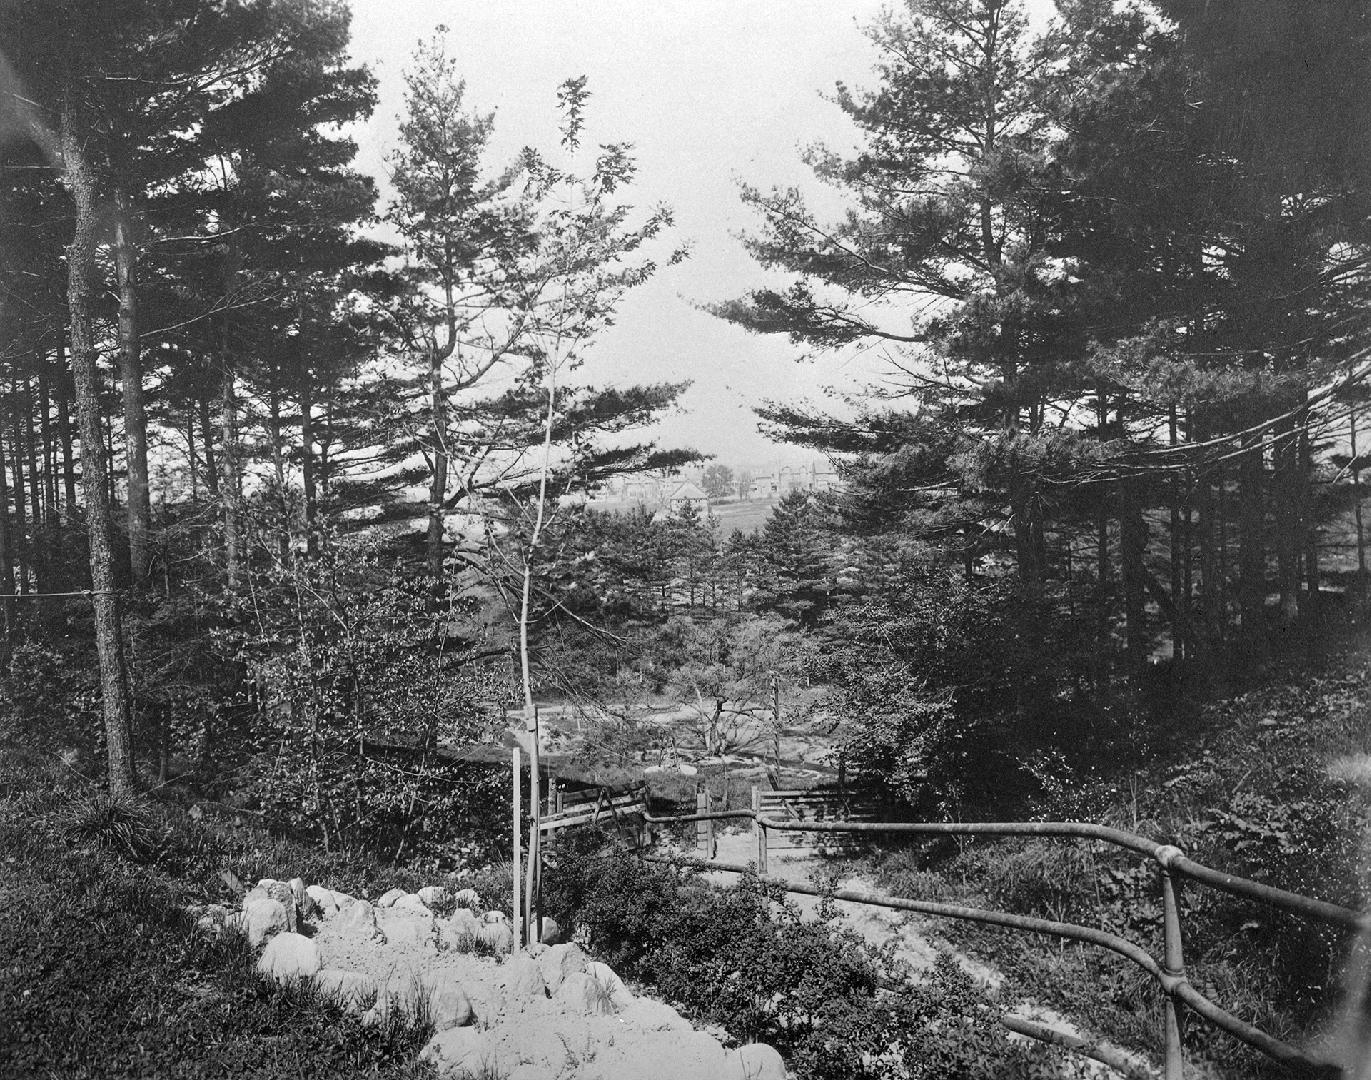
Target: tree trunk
[1285, 510]
[229, 482]
[1132, 553]
[139, 503]
[437, 492]
[278, 464]
[65, 393]
[308, 475]
[1252, 547]
[6, 566]
[22, 545]
[207, 439]
[45, 434]
[35, 491]
[1356, 508]
[108, 641]
[1310, 526]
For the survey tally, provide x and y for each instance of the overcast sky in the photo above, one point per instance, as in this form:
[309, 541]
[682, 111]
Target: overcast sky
[710, 92]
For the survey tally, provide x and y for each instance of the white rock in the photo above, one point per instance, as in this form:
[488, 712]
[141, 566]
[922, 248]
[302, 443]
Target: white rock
[358, 916]
[434, 895]
[389, 897]
[404, 927]
[757, 1061]
[446, 1000]
[496, 917]
[462, 923]
[497, 937]
[411, 903]
[611, 984]
[323, 900]
[523, 979]
[559, 962]
[460, 1050]
[342, 899]
[673, 1055]
[580, 995]
[297, 886]
[263, 917]
[551, 931]
[355, 991]
[649, 1015]
[467, 898]
[290, 956]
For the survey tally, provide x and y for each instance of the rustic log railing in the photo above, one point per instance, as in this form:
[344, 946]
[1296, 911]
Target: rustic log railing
[1172, 864]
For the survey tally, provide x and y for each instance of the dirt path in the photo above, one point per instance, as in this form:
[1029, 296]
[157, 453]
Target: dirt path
[916, 941]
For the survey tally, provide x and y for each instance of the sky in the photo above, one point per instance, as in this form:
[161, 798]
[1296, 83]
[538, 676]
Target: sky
[711, 93]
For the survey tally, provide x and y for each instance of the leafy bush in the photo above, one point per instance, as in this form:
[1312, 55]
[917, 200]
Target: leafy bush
[743, 958]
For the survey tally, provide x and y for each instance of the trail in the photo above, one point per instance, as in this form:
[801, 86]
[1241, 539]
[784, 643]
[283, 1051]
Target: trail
[914, 937]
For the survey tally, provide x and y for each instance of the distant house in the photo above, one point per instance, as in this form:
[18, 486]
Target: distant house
[686, 492]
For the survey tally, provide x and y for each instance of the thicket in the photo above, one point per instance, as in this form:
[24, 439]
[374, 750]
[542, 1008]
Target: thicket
[743, 958]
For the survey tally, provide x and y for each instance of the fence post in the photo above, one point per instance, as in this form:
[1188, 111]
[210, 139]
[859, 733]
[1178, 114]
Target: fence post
[759, 829]
[1173, 963]
[518, 890]
[704, 830]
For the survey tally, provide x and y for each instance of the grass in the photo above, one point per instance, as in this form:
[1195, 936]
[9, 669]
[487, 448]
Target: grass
[102, 973]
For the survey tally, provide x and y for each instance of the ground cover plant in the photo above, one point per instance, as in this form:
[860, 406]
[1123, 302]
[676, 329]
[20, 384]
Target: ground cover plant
[743, 959]
[1268, 789]
[102, 973]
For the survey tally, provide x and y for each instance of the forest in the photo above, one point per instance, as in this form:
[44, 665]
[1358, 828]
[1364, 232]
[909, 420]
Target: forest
[294, 459]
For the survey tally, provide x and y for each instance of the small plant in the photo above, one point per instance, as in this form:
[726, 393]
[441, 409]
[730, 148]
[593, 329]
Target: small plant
[109, 822]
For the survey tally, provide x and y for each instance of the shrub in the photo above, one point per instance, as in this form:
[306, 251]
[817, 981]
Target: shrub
[743, 958]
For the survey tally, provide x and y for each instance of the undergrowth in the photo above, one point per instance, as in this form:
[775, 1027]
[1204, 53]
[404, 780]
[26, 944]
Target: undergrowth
[1269, 789]
[102, 973]
[742, 958]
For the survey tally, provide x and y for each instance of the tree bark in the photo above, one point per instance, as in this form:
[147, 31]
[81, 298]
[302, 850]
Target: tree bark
[308, 471]
[65, 392]
[1356, 508]
[1132, 553]
[108, 638]
[437, 492]
[139, 504]
[1252, 547]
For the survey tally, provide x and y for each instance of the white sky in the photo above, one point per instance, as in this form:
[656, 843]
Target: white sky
[710, 92]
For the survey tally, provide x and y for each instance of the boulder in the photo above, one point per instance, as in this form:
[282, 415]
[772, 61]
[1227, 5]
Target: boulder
[581, 995]
[757, 1061]
[460, 1051]
[400, 995]
[289, 957]
[404, 927]
[323, 900]
[355, 991]
[447, 1002]
[358, 916]
[467, 898]
[610, 982]
[411, 903]
[461, 924]
[551, 931]
[263, 917]
[559, 962]
[285, 896]
[497, 937]
[495, 917]
[434, 895]
[389, 897]
[523, 980]
[674, 1055]
[342, 899]
[645, 1014]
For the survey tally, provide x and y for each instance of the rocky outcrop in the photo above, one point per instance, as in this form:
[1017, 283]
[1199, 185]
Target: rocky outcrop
[543, 1013]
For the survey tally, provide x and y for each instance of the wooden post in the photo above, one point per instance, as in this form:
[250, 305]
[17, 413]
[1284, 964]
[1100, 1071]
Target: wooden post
[759, 829]
[515, 862]
[704, 830]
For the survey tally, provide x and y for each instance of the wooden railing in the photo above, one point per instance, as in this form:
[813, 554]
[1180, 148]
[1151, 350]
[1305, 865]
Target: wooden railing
[1172, 867]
